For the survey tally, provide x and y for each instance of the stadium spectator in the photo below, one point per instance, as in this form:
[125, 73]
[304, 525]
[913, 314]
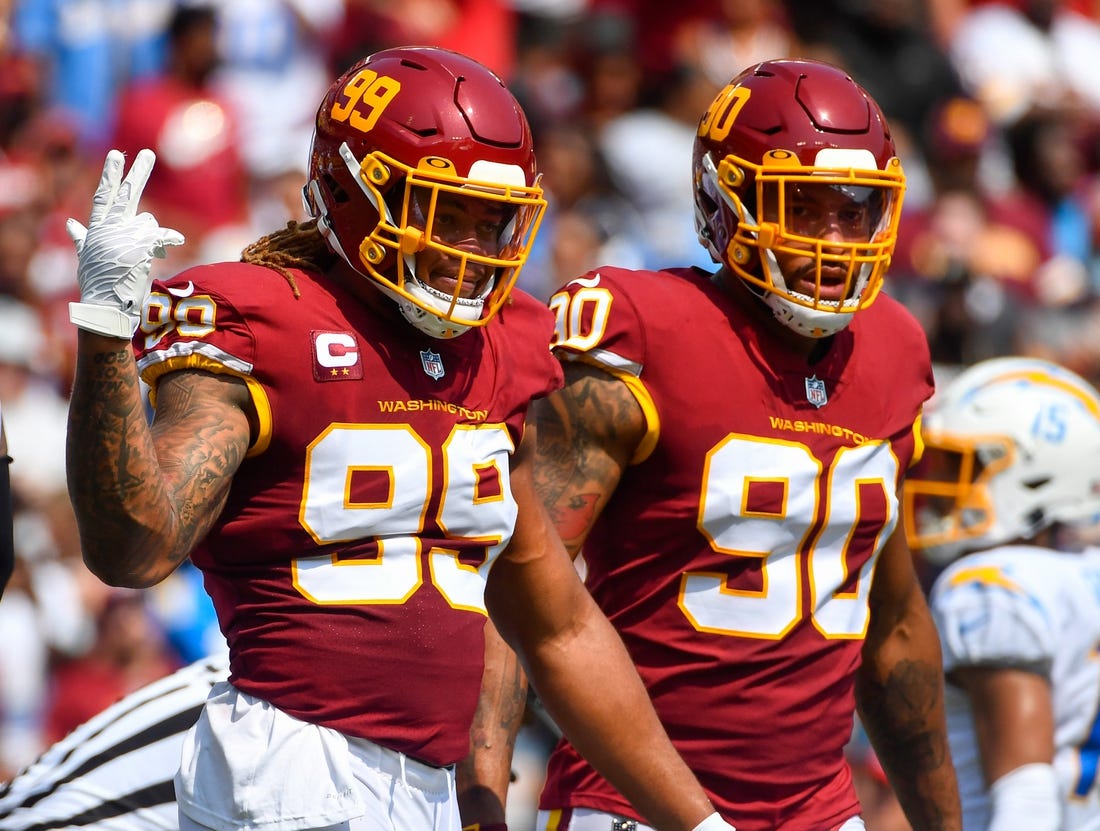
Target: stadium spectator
[201, 184]
[123, 658]
[85, 52]
[648, 149]
[962, 273]
[722, 41]
[890, 48]
[483, 29]
[1018, 55]
[588, 219]
[275, 64]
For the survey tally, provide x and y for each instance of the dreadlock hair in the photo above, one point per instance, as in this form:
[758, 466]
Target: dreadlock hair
[298, 245]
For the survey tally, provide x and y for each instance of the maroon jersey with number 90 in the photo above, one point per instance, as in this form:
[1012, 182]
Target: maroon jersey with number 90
[736, 554]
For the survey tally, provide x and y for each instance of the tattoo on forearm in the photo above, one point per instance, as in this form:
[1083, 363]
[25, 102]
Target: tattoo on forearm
[899, 709]
[508, 700]
[902, 715]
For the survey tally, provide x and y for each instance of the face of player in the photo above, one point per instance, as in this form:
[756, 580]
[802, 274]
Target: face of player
[459, 227]
[828, 218]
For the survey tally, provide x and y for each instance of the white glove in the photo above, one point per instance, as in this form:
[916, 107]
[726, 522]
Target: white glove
[115, 252]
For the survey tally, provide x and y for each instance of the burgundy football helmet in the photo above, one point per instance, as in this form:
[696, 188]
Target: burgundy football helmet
[779, 134]
[397, 134]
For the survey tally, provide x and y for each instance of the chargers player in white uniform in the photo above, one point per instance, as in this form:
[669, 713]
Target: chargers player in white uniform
[1010, 477]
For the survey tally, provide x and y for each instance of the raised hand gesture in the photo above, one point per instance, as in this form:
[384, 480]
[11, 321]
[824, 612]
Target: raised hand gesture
[115, 251]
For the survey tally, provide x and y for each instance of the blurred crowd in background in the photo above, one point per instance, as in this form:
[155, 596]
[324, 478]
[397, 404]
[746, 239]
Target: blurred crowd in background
[995, 106]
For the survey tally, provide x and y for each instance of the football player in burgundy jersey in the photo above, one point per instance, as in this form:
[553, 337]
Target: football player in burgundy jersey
[726, 455]
[339, 445]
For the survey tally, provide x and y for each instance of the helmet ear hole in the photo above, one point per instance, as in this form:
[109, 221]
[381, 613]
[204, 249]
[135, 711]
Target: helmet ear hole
[707, 203]
[334, 187]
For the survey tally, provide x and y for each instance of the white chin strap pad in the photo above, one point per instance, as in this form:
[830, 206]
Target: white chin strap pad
[807, 322]
[426, 322]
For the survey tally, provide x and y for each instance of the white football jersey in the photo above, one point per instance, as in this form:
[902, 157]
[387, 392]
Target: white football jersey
[1033, 608]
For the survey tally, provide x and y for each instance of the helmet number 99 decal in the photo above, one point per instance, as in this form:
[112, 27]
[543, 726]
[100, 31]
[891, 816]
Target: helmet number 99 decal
[718, 120]
[366, 96]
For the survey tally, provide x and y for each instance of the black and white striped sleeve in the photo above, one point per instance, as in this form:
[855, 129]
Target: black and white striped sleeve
[115, 771]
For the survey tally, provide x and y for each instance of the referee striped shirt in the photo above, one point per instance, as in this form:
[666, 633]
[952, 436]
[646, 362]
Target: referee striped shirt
[115, 771]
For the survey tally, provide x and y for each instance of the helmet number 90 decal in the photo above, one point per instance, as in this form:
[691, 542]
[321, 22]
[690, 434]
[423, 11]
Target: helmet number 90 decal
[718, 120]
[366, 96]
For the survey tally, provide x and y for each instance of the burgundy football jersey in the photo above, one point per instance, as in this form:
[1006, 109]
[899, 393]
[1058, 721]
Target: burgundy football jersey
[736, 554]
[348, 566]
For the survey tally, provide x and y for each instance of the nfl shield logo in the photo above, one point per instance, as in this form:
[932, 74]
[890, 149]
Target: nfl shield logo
[815, 392]
[433, 364]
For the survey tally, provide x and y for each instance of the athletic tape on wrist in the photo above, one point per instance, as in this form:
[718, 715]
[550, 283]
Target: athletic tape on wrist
[103, 320]
[714, 823]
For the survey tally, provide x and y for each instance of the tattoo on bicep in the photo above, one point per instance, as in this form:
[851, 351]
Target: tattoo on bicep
[554, 459]
[211, 451]
[580, 431]
[573, 518]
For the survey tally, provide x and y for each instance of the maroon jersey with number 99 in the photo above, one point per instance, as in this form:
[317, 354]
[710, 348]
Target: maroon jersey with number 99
[348, 567]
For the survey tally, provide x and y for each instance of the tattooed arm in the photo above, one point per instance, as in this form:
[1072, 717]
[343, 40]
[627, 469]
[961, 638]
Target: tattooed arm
[578, 463]
[899, 693]
[587, 433]
[569, 649]
[145, 494]
[484, 775]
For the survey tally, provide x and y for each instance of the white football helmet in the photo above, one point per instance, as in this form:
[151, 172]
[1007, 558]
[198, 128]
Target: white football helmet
[1012, 446]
